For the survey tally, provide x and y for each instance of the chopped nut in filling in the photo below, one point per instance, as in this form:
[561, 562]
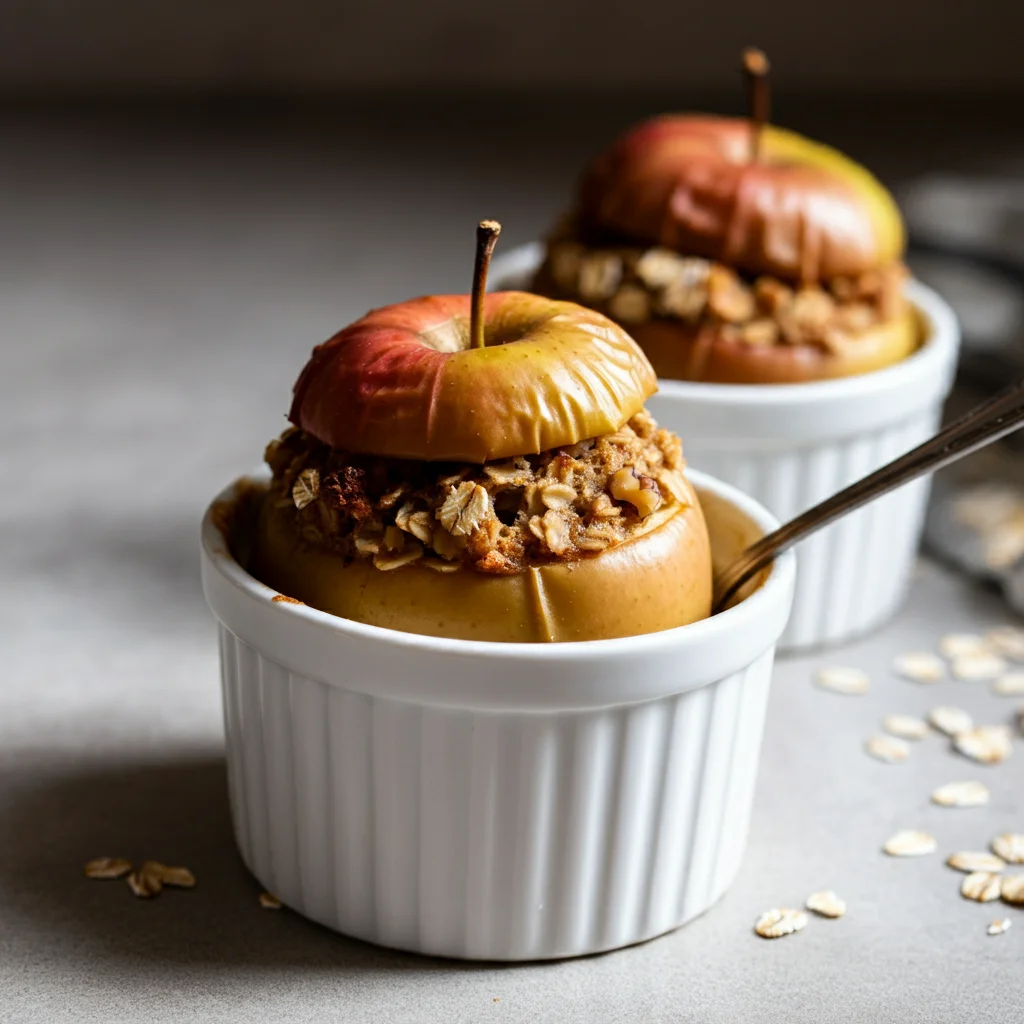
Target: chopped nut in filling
[634, 286]
[499, 517]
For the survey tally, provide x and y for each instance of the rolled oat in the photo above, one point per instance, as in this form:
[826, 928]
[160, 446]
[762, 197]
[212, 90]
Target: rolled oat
[961, 794]
[775, 923]
[987, 744]
[981, 886]
[909, 843]
[888, 749]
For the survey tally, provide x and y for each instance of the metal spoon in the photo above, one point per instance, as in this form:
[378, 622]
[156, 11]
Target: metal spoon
[985, 423]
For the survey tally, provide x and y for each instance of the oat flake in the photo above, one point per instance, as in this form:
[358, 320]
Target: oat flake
[972, 667]
[1010, 846]
[180, 878]
[306, 488]
[969, 860]
[987, 744]
[906, 726]
[888, 749]
[999, 925]
[775, 923]
[826, 903]
[146, 882]
[1012, 889]
[982, 886]
[920, 666]
[268, 901]
[851, 682]
[950, 720]
[1010, 685]
[107, 867]
[961, 794]
[909, 843]
[957, 645]
[1007, 641]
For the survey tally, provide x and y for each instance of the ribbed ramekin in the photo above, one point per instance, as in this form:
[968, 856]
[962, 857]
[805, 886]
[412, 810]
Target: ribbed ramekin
[495, 801]
[789, 446]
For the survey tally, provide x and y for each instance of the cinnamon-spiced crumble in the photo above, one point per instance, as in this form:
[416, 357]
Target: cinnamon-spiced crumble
[633, 286]
[498, 517]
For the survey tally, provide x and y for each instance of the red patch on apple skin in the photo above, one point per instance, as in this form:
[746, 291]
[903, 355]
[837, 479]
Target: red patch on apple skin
[688, 183]
[367, 372]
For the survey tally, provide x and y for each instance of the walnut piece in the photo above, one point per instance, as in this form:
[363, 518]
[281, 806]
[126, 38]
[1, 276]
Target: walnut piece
[640, 491]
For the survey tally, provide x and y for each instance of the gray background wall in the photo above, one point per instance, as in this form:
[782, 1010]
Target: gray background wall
[239, 45]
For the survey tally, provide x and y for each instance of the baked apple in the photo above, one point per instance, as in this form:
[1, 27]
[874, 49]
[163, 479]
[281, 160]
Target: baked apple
[737, 252]
[482, 467]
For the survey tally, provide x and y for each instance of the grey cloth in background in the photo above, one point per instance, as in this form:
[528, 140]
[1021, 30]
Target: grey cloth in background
[968, 242]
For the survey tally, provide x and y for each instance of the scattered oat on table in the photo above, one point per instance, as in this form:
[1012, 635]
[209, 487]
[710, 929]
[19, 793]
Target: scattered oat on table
[1007, 641]
[826, 903]
[775, 923]
[973, 667]
[180, 878]
[1012, 889]
[987, 744]
[999, 925]
[107, 867]
[1010, 684]
[1009, 846]
[996, 513]
[958, 645]
[981, 886]
[146, 882]
[971, 860]
[268, 901]
[151, 878]
[905, 726]
[888, 749]
[961, 794]
[920, 666]
[909, 843]
[851, 682]
[950, 720]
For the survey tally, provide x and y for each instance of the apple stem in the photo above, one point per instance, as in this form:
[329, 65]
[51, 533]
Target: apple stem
[755, 76]
[487, 232]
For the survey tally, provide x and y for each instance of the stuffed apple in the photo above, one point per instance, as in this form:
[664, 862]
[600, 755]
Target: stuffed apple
[737, 252]
[482, 467]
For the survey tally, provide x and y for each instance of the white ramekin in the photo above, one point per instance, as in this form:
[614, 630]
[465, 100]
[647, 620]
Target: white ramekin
[495, 801]
[792, 445]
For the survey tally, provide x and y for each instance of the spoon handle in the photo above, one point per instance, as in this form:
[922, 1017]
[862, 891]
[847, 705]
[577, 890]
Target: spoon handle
[985, 423]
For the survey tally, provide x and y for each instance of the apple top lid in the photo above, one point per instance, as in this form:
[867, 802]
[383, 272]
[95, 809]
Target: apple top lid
[406, 381]
[781, 204]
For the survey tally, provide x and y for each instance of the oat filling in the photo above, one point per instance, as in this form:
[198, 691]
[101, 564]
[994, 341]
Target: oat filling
[634, 286]
[499, 517]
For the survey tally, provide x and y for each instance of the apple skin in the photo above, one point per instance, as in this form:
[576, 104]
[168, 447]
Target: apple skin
[804, 212]
[658, 580]
[401, 382]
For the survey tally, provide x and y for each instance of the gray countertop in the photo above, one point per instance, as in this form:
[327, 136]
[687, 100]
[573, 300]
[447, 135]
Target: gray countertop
[163, 279]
